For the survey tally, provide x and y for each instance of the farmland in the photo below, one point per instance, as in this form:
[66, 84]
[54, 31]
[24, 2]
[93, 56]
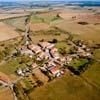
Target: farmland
[7, 32]
[93, 72]
[54, 27]
[6, 94]
[67, 87]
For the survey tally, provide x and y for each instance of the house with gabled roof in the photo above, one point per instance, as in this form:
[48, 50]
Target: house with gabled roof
[35, 48]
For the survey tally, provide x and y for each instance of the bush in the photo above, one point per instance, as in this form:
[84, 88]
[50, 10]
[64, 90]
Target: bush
[83, 23]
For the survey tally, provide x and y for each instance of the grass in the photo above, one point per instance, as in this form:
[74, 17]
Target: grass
[78, 63]
[47, 37]
[18, 23]
[28, 85]
[97, 54]
[62, 45]
[48, 20]
[10, 67]
[65, 88]
[93, 73]
[35, 19]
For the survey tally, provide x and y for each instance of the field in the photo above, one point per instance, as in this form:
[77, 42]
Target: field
[71, 20]
[7, 32]
[18, 23]
[67, 87]
[7, 16]
[92, 74]
[9, 67]
[42, 22]
[38, 26]
[77, 64]
[48, 35]
[6, 94]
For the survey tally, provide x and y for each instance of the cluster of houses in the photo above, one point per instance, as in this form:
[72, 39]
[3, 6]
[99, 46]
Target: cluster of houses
[45, 51]
[53, 60]
[83, 51]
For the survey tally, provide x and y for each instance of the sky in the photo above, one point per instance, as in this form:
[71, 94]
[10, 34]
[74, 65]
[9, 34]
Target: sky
[45, 0]
[49, 0]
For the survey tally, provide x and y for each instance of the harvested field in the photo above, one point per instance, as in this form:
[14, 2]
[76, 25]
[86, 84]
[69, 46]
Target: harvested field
[38, 26]
[77, 28]
[6, 94]
[8, 16]
[68, 16]
[4, 77]
[18, 23]
[79, 16]
[7, 32]
[89, 31]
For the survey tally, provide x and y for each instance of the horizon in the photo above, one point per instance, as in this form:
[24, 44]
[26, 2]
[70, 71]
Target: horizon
[43, 0]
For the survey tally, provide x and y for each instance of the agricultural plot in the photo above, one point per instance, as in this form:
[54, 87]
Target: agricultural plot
[7, 32]
[46, 19]
[66, 87]
[10, 67]
[92, 74]
[48, 35]
[6, 94]
[79, 64]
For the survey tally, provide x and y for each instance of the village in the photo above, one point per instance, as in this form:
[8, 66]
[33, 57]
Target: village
[49, 64]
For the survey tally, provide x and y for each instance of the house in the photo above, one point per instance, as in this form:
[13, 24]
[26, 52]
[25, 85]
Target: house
[83, 46]
[36, 49]
[69, 59]
[79, 50]
[51, 63]
[20, 72]
[34, 65]
[25, 50]
[47, 54]
[46, 45]
[55, 71]
[54, 53]
[63, 61]
[58, 61]
[41, 55]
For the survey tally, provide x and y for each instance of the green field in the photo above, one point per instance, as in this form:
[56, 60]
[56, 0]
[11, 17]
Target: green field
[62, 47]
[78, 63]
[48, 20]
[9, 67]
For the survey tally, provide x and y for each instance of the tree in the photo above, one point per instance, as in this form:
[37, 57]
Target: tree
[62, 51]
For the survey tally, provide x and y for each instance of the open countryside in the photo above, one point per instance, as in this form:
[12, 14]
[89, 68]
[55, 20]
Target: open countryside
[50, 51]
